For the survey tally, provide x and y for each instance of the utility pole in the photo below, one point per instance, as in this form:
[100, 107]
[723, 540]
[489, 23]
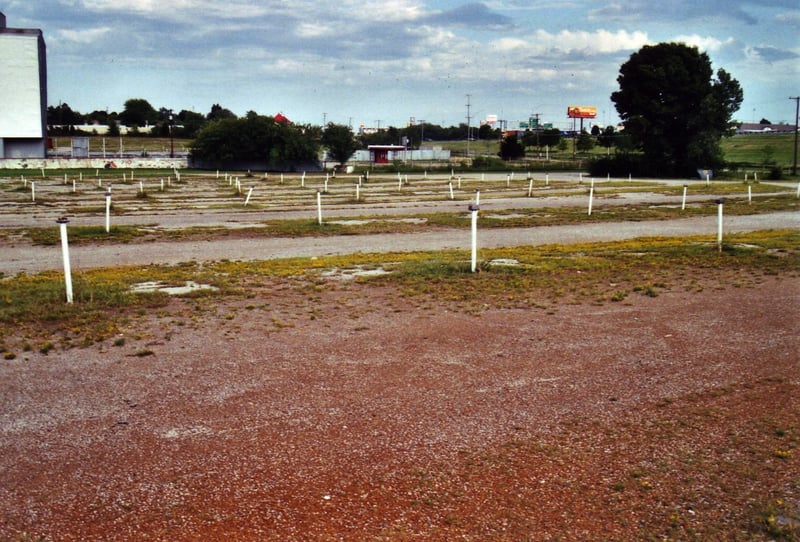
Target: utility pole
[796, 114]
[537, 129]
[469, 122]
[171, 138]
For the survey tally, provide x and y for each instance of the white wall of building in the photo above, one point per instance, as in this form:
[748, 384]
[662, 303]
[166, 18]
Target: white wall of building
[20, 92]
[416, 155]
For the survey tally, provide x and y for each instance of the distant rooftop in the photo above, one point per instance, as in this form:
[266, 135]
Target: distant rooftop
[752, 128]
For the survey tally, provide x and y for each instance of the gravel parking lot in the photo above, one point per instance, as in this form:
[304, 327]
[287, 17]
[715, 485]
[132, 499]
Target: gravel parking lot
[326, 409]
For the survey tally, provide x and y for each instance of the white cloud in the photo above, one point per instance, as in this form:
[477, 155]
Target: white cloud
[313, 30]
[308, 10]
[186, 9]
[569, 41]
[137, 6]
[769, 54]
[380, 10]
[704, 43]
[612, 42]
[84, 36]
[511, 44]
[791, 17]
[675, 11]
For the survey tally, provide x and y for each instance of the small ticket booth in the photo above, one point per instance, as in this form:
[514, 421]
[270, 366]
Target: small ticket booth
[380, 154]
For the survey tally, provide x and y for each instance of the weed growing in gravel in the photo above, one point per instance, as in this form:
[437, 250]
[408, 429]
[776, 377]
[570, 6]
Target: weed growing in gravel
[782, 453]
[619, 296]
[778, 521]
[144, 353]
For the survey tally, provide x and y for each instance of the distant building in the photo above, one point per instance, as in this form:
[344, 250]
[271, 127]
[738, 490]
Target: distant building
[23, 92]
[747, 128]
[386, 154]
[383, 154]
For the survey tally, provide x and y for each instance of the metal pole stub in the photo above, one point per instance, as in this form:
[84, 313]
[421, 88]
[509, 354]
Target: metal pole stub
[62, 222]
[719, 203]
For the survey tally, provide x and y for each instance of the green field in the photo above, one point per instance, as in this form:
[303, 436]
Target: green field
[756, 150]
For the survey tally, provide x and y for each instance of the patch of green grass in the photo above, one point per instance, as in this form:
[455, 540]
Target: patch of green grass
[306, 228]
[34, 305]
[84, 234]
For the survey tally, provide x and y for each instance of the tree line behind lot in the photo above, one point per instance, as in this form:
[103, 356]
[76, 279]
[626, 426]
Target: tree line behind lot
[257, 139]
[137, 113]
[422, 134]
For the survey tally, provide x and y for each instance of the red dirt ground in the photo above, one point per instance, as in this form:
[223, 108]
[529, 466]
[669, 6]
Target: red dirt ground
[349, 412]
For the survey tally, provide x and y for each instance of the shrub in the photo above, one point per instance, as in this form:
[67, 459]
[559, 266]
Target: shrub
[775, 173]
[488, 163]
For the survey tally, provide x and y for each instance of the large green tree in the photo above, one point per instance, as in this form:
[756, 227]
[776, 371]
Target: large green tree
[254, 138]
[584, 143]
[190, 122]
[511, 148]
[100, 116]
[340, 142]
[550, 137]
[138, 112]
[220, 113]
[606, 137]
[63, 115]
[674, 109]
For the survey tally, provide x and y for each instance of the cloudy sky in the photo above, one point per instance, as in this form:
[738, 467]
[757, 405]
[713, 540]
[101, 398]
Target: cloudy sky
[384, 61]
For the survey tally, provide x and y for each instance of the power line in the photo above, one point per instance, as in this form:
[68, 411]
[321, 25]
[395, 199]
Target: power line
[469, 123]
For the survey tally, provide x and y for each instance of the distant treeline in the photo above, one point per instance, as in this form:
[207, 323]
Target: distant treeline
[142, 119]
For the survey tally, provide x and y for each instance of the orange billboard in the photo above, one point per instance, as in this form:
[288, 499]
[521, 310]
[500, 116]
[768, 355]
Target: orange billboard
[581, 112]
